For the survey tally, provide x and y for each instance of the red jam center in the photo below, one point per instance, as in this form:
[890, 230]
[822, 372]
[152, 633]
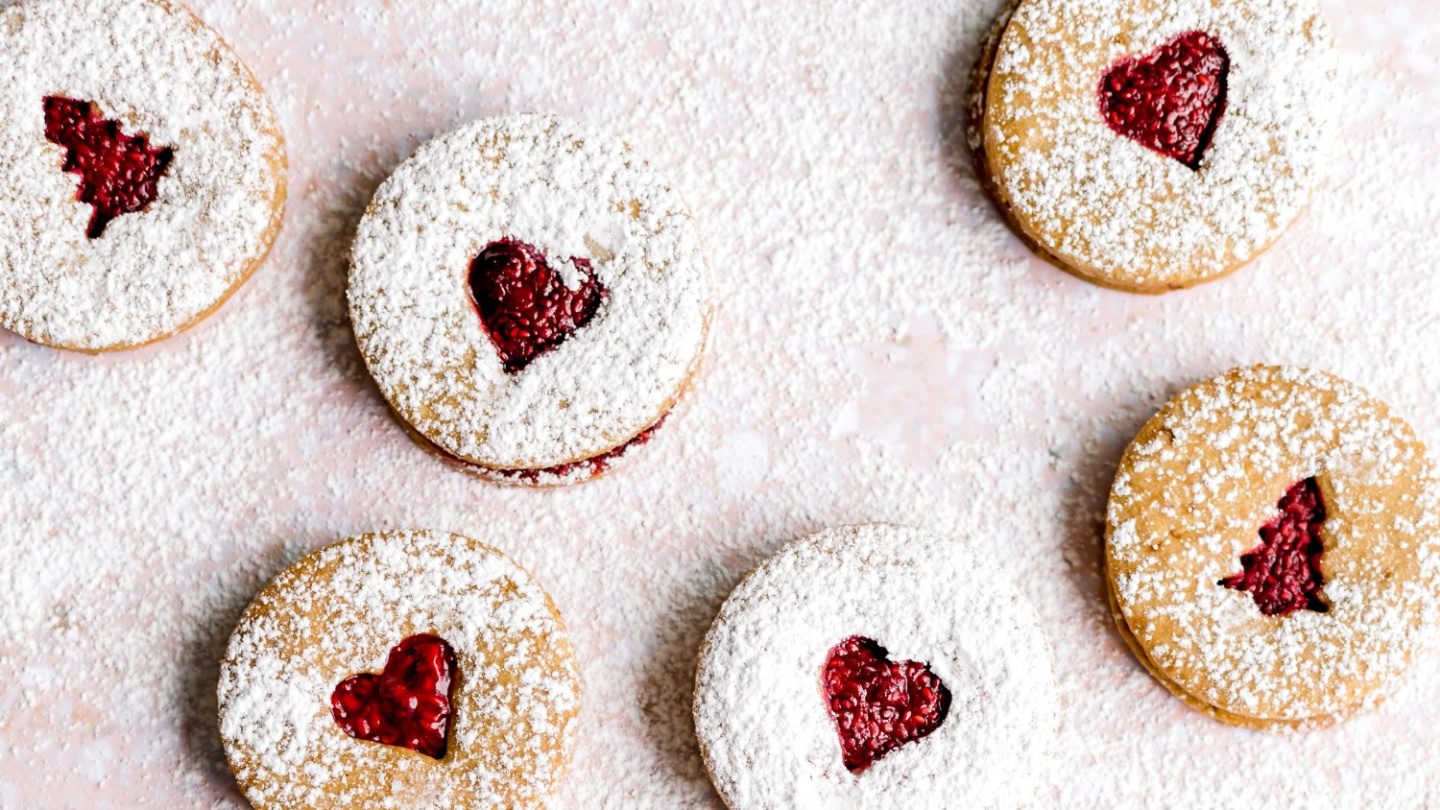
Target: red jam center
[1171, 99]
[879, 705]
[406, 705]
[1283, 572]
[119, 173]
[525, 306]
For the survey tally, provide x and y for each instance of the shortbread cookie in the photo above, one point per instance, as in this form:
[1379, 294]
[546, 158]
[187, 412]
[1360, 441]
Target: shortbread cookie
[142, 170]
[407, 670]
[1150, 146]
[1273, 548]
[529, 297]
[875, 667]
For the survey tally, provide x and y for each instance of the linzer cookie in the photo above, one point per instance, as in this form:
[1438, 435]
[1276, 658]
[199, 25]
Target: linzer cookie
[1150, 146]
[409, 669]
[530, 298]
[141, 167]
[1273, 548]
[875, 667]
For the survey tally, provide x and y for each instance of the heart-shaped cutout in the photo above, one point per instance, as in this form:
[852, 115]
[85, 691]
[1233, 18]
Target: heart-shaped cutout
[1171, 99]
[119, 173]
[408, 704]
[877, 704]
[1283, 572]
[525, 305]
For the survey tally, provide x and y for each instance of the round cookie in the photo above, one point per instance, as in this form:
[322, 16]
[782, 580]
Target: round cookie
[875, 666]
[1273, 548]
[142, 168]
[1150, 146]
[320, 683]
[529, 295]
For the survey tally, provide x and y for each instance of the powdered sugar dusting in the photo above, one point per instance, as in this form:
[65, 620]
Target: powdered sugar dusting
[760, 714]
[1106, 204]
[339, 612]
[159, 71]
[884, 349]
[1189, 500]
[571, 193]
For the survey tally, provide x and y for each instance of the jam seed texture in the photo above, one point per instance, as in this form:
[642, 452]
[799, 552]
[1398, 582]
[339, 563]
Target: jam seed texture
[408, 704]
[877, 704]
[525, 305]
[1170, 100]
[119, 173]
[1283, 572]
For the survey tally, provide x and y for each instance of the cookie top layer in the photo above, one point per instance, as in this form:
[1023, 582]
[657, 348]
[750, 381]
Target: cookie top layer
[158, 71]
[1119, 213]
[337, 613]
[763, 723]
[571, 195]
[1194, 489]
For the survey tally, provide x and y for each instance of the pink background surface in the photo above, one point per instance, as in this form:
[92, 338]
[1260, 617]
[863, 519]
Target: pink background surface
[884, 350]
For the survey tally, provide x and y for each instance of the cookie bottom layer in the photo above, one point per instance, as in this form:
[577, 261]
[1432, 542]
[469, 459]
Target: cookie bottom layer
[1204, 707]
[578, 471]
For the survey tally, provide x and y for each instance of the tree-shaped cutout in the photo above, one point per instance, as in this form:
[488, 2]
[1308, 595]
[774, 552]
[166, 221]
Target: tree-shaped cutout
[1283, 572]
[119, 173]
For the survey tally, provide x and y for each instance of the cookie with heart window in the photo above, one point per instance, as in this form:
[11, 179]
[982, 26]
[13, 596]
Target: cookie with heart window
[531, 299]
[1150, 146]
[1273, 548]
[875, 667]
[405, 669]
[142, 169]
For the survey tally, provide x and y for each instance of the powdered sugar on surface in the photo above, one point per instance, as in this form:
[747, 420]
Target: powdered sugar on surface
[340, 614]
[570, 193]
[760, 711]
[1111, 205]
[884, 350]
[154, 271]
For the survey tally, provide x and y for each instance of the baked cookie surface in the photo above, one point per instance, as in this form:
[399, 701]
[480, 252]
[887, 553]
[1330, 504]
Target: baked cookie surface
[1273, 547]
[875, 666]
[528, 294]
[1150, 146]
[142, 168]
[407, 669]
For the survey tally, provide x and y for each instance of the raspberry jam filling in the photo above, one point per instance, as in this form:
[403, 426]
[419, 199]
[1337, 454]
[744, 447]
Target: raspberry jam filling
[877, 704]
[1283, 572]
[525, 305]
[406, 705]
[119, 173]
[1170, 100]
